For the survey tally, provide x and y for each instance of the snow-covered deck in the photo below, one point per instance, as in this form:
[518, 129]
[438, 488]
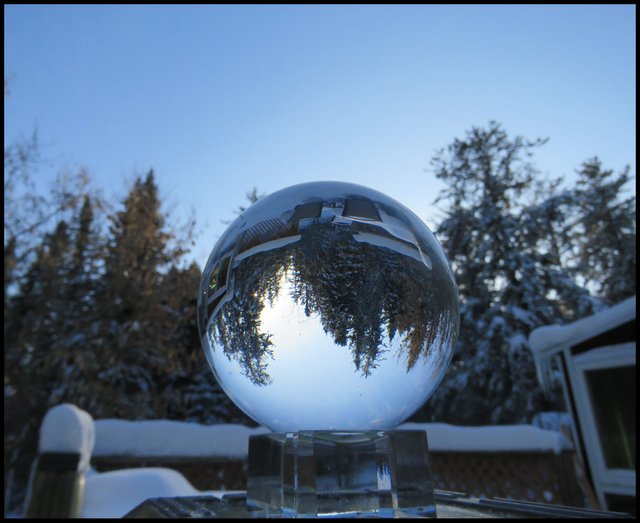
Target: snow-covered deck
[114, 493]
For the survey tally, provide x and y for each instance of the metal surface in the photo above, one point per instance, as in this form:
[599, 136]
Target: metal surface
[448, 505]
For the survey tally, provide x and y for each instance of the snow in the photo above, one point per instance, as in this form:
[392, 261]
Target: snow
[547, 338]
[526, 317]
[114, 494]
[395, 246]
[499, 438]
[154, 438]
[391, 225]
[175, 438]
[517, 341]
[552, 420]
[265, 247]
[66, 428]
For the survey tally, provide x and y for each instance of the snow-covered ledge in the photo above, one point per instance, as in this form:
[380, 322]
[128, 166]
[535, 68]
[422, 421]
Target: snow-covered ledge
[158, 438]
[443, 437]
[546, 340]
[163, 438]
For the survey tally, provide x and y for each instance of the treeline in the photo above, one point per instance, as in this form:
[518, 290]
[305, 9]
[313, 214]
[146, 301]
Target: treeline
[526, 251]
[100, 306]
[100, 311]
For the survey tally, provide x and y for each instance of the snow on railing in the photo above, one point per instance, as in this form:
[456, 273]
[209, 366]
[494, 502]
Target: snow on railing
[156, 438]
[66, 428]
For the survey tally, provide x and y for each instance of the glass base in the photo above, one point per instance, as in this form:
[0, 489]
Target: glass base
[340, 473]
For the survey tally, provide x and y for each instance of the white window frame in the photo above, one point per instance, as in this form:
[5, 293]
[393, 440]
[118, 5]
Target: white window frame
[606, 480]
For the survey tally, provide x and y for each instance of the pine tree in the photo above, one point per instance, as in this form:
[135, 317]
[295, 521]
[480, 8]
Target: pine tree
[132, 346]
[190, 391]
[606, 232]
[39, 308]
[30, 377]
[72, 350]
[509, 273]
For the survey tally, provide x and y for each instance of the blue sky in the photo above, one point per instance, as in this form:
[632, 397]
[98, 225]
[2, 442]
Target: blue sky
[219, 99]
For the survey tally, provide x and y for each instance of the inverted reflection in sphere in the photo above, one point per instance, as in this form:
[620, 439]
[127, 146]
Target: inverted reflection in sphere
[328, 305]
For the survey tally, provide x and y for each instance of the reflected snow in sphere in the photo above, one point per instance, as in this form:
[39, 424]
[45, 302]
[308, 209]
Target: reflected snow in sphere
[328, 306]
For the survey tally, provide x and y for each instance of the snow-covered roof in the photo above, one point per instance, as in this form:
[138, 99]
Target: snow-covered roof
[66, 428]
[179, 439]
[546, 339]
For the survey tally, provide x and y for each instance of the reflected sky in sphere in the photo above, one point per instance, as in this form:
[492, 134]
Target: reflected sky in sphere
[328, 306]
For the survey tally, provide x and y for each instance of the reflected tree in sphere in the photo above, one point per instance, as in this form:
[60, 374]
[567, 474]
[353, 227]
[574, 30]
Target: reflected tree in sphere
[328, 305]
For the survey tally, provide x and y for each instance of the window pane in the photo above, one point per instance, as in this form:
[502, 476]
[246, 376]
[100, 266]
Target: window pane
[361, 209]
[613, 396]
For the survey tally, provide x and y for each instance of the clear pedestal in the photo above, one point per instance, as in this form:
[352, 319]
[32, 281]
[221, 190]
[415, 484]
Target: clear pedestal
[340, 473]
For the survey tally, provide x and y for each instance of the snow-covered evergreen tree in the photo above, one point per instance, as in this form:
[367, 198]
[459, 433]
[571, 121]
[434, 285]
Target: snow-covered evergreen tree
[497, 233]
[189, 391]
[104, 321]
[29, 376]
[605, 234]
[140, 357]
[71, 349]
[131, 346]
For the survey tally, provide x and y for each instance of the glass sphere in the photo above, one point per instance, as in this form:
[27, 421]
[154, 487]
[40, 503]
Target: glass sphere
[328, 306]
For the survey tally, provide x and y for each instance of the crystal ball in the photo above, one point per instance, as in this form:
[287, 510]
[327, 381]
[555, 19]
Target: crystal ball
[328, 306]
